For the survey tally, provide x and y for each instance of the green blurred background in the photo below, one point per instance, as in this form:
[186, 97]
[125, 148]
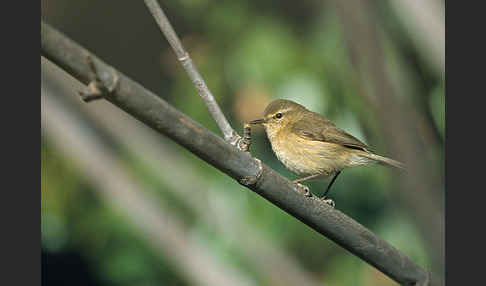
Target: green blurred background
[123, 205]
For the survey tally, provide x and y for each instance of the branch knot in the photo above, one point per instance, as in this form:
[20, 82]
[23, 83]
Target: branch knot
[252, 180]
[101, 84]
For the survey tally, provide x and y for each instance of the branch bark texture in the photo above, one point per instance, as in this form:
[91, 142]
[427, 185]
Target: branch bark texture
[158, 114]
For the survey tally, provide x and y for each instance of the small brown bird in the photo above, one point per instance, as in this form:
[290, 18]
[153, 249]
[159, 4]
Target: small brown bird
[311, 145]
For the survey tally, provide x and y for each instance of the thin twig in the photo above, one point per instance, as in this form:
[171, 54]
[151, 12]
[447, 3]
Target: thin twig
[196, 78]
[158, 114]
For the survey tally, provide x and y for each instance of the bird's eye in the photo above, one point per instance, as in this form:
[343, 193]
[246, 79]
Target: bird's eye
[278, 115]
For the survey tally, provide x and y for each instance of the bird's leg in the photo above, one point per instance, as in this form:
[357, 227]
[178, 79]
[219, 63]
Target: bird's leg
[330, 184]
[305, 188]
[306, 178]
[324, 198]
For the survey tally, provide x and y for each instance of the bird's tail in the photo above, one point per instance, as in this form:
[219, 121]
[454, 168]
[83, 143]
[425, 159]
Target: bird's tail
[385, 161]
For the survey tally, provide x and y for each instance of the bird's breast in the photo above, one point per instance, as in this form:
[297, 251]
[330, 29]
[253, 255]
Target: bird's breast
[307, 157]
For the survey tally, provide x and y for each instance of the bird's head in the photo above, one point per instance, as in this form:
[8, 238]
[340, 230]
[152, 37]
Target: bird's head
[279, 115]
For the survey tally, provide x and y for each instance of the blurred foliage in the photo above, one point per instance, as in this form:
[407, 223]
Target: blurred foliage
[249, 52]
[74, 217]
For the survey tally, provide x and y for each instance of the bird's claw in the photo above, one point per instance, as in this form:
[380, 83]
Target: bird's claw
[243, 143]
[328, 201]
[305, 189]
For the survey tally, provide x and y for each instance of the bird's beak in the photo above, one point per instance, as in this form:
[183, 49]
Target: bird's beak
[258, 121]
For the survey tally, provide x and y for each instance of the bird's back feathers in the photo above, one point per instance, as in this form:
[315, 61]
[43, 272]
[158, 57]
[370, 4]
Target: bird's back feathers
[318, 128]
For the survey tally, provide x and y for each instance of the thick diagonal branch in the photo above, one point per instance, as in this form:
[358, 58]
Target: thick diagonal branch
[158, 114]
[196, 78]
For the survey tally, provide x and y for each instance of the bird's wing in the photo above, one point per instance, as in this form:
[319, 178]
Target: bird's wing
[318, 128]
